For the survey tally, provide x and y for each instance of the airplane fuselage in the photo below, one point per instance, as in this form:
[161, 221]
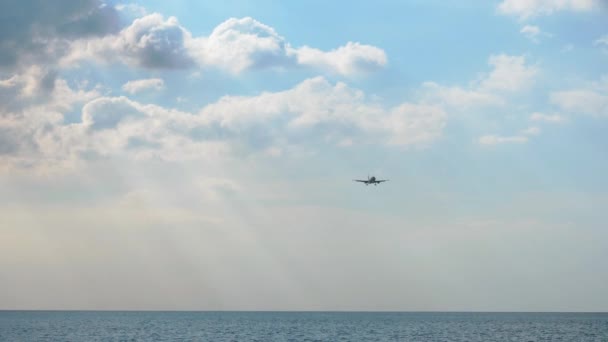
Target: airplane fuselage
[371, 180]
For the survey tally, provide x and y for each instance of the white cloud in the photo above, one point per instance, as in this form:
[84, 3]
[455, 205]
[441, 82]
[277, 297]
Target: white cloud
[530, 8]
[33, 85]
[241, 44]
[33, 81]
[317, 108]
[39, 86]
[149, 42]
[459, 97]
[591, 99]
[236, 45]
[521, 138]
[567, 48]
[496, 139]
[347, 60]
[37, 32]
[533, 33]
[132, 9]
[602, 42]
[107, 112]
[136, 86]
[267, 124]
[29, 121]
[510, 74]
[532, 130]
[414, 124]
[581, 101]
[550, 118]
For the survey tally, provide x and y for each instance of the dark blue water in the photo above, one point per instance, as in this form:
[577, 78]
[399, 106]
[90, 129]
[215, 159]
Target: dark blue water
[299, 326]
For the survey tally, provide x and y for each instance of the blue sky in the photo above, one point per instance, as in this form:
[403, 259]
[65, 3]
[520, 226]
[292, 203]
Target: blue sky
[205, 151]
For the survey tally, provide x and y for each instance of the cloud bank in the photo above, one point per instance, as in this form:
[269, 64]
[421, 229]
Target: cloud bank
[497, 139]
[236, 45]
[509, 74]
[32, 31]
[136, 86]
[591, 99]
[525, 9]
[549, 118]
[314, 111]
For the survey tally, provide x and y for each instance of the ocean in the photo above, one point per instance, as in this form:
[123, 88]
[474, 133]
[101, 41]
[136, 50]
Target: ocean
[300, 326]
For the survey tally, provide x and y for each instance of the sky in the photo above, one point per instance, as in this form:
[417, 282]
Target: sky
[192, 155]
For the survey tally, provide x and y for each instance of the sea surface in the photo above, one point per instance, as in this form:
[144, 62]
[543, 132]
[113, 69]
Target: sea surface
[300, 326]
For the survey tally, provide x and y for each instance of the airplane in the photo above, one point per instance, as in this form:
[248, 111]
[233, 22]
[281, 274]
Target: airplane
[371, 180]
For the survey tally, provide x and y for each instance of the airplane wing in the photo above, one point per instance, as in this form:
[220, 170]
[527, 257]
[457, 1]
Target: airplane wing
[382, 180]
[360, 180]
